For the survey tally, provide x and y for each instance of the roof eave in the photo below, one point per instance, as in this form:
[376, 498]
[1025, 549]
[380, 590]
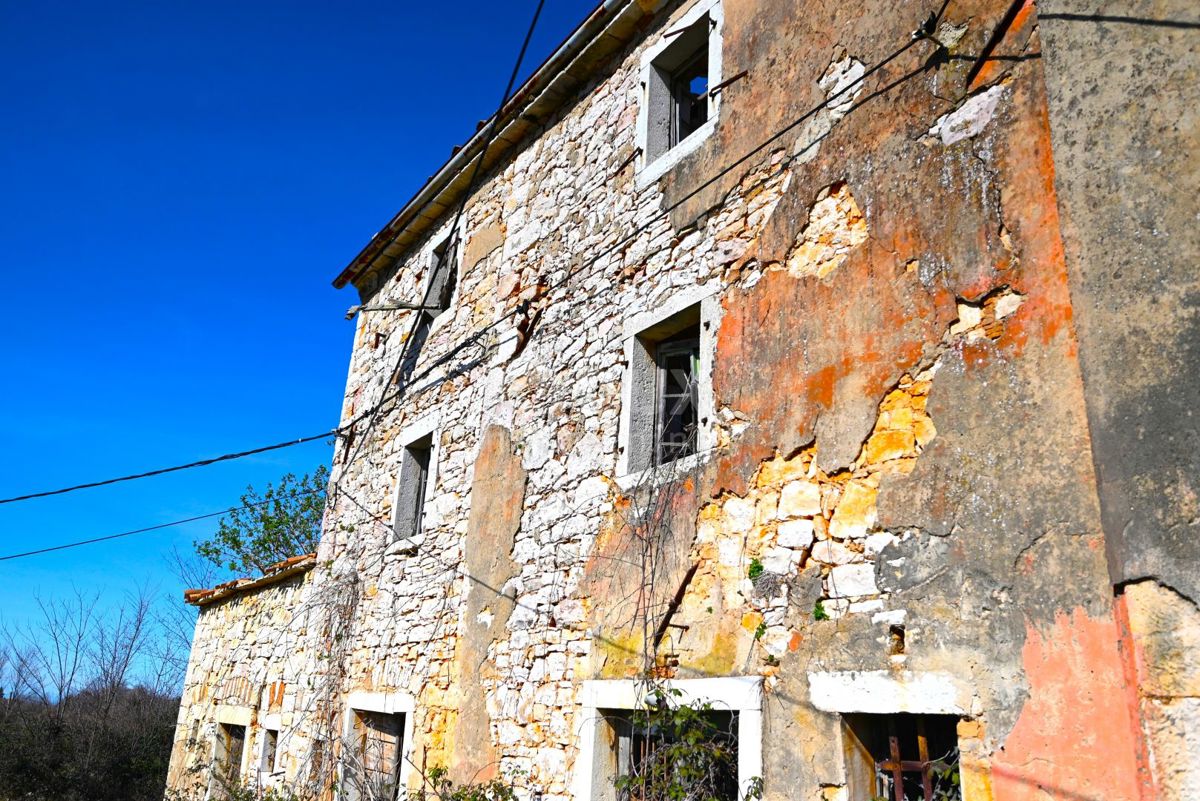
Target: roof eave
[611, 23]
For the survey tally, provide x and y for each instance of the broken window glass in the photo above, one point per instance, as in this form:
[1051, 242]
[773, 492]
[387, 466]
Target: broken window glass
[678, 362]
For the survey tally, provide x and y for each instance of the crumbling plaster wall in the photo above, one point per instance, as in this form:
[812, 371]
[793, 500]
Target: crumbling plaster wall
[899, 422]
[1124, 92]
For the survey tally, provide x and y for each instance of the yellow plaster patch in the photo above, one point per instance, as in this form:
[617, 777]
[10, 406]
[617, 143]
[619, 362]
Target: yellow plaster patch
[836, 225]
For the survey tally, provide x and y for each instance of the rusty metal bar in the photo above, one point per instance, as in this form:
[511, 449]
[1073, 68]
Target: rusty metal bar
[923, 754]
[728, 81]
[897, 770]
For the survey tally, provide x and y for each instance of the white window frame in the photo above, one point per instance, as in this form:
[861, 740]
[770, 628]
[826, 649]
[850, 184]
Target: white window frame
[885, 692]
[629, 470]
[651, 170]
[230, 715]
[270, 722]
[395, 703]
[426, 426]
[740, 694]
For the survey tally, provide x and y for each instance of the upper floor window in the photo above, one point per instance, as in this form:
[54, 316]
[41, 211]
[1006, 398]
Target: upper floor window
[414, 482]
[666, 404]
[677, 362]
[439, 292]
[678, 109]
[418, 459]
[442, 278]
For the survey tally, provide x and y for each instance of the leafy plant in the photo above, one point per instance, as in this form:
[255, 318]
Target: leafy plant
[282, 522]
[761, 630]
[680, 752]
[819, 612]
[755, 570]
[437, 786]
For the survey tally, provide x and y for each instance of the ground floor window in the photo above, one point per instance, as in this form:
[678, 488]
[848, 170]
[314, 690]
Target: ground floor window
[902, 757]
[373, 762]
[373, 771]
[231, 746]
[662, 754]
[667, 741]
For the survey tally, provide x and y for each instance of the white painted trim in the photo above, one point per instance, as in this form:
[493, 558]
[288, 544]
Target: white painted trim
[268, 722]
[882, 692]
[421, 427]
[650, 172]
[234, 715]
[741, 694]
[708, 297]
[394, 703]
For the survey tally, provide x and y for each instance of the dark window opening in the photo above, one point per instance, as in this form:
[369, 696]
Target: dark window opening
[677, 95]
[902, 757]
[270, 748]
[701, 755]
[678, 365]
[689, 90]
[230, 747]
[414, 481]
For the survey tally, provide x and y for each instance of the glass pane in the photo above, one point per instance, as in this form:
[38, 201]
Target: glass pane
[678, 362]
[690, 90]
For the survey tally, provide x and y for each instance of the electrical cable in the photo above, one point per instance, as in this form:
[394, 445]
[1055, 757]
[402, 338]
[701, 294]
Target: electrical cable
[919, 35]
[130, 533]
[176, 468]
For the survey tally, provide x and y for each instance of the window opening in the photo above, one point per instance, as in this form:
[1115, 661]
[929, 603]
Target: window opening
[677, 93]
[379, 740]
[690, 747]
[678, 371]
[689, 90]
[908, 757]
[443, 277]
[232, 744]
[270, 749]
[414, 481]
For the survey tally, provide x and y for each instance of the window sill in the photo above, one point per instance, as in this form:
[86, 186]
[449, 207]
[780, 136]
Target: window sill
[405, 546]
[662, 474]
[666, 161]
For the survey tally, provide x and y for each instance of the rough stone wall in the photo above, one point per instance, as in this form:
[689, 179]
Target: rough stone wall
[247, 656]
[898, 418]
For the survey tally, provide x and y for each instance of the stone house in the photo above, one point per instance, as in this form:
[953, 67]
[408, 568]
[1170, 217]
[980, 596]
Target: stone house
[773, 360]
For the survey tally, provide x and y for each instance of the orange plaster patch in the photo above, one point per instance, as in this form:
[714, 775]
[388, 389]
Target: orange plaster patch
[1073, 740]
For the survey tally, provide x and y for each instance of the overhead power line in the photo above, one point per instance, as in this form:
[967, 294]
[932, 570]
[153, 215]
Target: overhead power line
[175, 469]
[923, 33]
[158, 527]
[493, 128]
[369, 412]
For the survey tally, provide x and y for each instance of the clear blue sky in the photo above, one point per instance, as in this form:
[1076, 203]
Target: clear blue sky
[179, 183]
